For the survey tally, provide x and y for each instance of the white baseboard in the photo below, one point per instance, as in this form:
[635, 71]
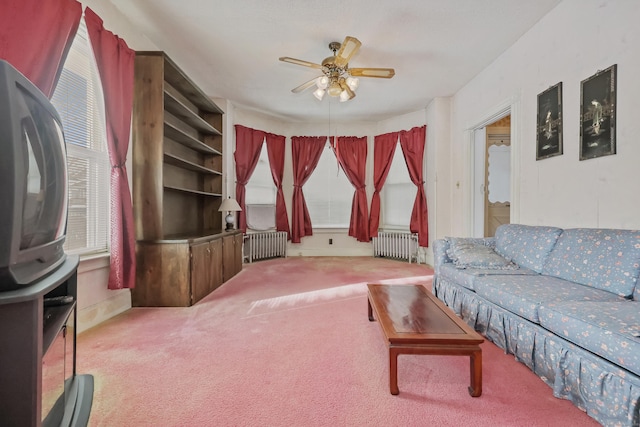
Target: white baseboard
[93, 315]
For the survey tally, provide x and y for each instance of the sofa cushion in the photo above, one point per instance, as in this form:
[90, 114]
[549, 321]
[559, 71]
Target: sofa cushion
[609, 329]
[526, 245]
[602, 258]
[523, 295]
[474, 253]
[467, 277]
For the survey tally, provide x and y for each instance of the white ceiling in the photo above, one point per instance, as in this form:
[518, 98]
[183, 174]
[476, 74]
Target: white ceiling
[231, 48]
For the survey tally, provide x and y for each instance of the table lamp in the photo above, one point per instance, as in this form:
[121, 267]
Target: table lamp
[230, 206]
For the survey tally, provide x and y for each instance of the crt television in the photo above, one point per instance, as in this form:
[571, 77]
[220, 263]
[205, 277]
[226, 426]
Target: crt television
[33, 182]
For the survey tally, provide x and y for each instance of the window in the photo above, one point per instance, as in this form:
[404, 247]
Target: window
[260, 190]
[398, 194]
[78, 99]
[328, 193]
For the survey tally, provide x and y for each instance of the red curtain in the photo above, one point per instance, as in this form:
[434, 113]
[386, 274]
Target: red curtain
[383, 148]
[35, 37]
[306, 151]
[275, 150]
[412, 143]
[248, 144]
[351, 153]
[115, 65]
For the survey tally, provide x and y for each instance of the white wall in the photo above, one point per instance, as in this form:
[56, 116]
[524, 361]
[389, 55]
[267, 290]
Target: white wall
[571, 43]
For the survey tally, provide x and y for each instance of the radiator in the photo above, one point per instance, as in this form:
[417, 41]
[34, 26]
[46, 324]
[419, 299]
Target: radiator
[396, 245]
[270, 244]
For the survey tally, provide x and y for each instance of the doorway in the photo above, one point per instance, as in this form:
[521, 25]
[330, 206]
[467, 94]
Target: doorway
[492, 177]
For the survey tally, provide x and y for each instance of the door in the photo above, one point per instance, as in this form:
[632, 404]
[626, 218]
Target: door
[497, 186]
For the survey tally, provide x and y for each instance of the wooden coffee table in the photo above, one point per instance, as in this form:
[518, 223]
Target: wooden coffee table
[416, 322]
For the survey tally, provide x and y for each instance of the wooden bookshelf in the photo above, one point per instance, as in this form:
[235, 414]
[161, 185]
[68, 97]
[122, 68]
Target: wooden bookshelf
[177, 186]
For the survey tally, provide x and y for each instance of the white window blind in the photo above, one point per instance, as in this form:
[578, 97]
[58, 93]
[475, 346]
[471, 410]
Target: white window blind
[78, 99]
[398, 194]
[328, 193]
[260, 190]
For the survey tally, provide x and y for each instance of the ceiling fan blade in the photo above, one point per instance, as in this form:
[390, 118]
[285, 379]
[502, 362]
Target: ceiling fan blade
[349, 47]
[304, 86]
[300, 62]
[383, 73]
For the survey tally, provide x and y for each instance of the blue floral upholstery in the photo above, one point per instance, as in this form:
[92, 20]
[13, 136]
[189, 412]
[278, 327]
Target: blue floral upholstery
[602, 258]
[523, 295]
[606, 392]
[528, 246]
[610, 330]
[467, 277]
[576, 324]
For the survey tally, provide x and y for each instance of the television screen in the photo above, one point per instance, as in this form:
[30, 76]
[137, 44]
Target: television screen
[45, 192]
[33, 182]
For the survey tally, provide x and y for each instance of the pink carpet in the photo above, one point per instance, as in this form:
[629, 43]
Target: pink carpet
[287, 342]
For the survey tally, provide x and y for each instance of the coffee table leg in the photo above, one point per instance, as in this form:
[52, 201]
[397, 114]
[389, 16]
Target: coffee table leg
[475, 363]
[371, 319]
[393, 370]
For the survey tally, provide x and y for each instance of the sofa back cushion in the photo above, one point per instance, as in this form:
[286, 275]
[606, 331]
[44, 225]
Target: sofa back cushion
[526, 245]
[603, 258]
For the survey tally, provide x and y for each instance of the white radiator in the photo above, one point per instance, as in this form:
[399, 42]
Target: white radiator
[396, 245]
[270, 244]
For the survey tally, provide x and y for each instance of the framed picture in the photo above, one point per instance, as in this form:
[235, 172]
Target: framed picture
[598, 114]
[549, 134]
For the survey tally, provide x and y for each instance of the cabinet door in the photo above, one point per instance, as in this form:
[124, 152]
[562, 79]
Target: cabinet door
[163, 275]
[200, 264]
[228, 257]
[215, 264]
[237, 241]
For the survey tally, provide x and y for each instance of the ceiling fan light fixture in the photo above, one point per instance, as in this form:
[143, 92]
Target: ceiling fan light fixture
[334, 89]
[322, 82]
[353, 82]
[346, 93]
[338, 79]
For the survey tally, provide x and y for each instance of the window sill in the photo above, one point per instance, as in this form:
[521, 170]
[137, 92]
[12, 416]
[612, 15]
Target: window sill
[92, 262]
[330, 230]
[395, 229]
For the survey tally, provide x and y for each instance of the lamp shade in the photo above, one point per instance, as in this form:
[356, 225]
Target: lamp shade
[229, 205]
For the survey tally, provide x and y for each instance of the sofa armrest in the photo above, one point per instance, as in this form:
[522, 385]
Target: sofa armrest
[441, 246]
[440, 256]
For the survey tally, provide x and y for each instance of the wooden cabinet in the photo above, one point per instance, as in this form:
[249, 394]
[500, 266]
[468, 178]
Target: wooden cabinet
[177, 186]
[173, 273]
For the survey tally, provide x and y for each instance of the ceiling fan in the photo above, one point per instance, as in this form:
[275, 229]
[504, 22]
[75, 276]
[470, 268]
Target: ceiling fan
[337, 78]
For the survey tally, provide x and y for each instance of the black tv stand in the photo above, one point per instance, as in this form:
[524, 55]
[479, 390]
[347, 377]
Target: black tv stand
[38, 381]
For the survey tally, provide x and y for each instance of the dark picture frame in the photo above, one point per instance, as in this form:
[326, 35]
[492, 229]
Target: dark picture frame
[549, 129]
[598, 114]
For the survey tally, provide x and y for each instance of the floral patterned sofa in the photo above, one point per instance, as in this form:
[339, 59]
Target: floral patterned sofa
[566, 303]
